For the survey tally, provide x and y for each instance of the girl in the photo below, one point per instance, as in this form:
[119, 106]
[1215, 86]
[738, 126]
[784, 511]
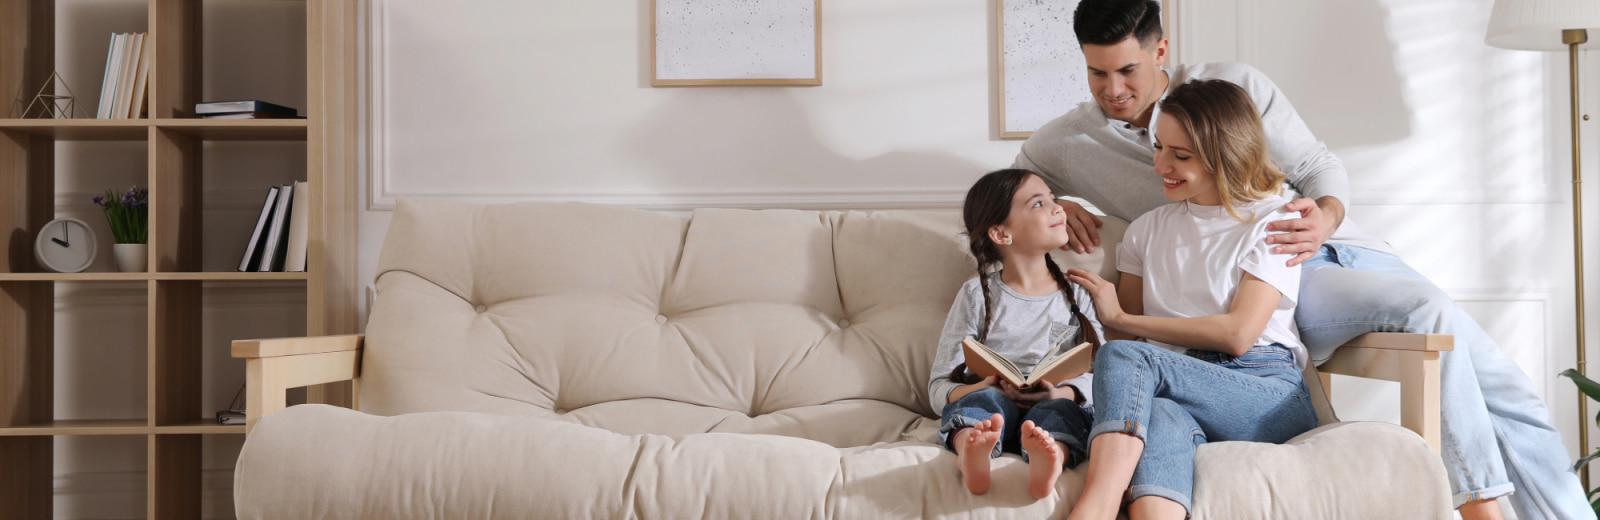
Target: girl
[1023, 312]
[1195, 273]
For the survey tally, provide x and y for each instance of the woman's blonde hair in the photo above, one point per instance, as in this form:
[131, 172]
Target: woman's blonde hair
[1226, 131]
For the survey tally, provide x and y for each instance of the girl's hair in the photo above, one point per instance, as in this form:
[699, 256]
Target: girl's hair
[1226, 131]
[988, 204]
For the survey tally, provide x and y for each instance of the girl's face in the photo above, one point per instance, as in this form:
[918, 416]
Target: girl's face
[1183, 176]
[1036, 222]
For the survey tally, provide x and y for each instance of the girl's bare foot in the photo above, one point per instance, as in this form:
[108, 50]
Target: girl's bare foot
[1045, 458]
[973, 447]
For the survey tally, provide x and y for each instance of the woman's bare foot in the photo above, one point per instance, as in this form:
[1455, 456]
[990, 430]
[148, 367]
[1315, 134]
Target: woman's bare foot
[1045, 458]
[973, 447]
[1481, 510]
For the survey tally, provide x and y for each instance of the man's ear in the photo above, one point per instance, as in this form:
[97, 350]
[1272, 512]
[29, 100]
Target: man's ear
[1161, 53]
[999, 235]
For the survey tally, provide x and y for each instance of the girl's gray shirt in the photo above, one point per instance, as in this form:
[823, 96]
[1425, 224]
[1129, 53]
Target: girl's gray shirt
[1024, 329]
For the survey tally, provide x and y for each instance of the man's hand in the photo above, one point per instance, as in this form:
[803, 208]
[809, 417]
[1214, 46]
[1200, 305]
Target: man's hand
[1303, 236]
[1084, 226]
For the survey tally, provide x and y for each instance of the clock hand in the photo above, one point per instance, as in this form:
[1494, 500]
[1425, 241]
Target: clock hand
[65, 231]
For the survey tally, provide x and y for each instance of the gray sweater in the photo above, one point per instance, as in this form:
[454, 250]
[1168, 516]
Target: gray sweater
[1024, 329]
[1111, 163]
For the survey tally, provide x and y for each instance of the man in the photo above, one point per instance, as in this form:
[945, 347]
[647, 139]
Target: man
[1497, 437]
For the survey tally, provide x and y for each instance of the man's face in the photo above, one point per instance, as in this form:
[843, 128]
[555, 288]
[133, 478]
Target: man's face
[1125, 77]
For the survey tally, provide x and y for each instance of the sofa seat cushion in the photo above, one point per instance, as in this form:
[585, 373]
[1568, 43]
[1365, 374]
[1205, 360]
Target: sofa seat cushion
[316, 461]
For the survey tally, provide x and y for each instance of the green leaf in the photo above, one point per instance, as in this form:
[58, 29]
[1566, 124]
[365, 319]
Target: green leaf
[1578, 466]
[1585, 385]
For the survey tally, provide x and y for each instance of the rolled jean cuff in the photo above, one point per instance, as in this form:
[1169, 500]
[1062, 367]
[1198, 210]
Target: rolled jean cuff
[1127, 426]
[1488, 493]
[954, 424]
[1146, 490]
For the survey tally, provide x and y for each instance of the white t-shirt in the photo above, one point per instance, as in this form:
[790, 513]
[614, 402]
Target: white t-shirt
[1192, 258]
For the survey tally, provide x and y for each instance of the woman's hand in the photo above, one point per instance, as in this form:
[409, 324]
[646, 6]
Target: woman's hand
[963, 390]
[1104, 293]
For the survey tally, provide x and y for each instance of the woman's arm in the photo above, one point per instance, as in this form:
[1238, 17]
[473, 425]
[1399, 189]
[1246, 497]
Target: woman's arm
[1233, 332]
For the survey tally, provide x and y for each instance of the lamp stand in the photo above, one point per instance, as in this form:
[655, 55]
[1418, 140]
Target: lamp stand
[1573, 38]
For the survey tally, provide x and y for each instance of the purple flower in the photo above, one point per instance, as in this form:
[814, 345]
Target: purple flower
[100, 200]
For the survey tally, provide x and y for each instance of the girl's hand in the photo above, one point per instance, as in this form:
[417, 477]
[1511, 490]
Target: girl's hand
[1040, 391]
[1103, 292]
[963, 390]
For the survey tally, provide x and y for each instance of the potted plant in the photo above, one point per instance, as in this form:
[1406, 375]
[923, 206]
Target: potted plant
[1591, 389]
[129, 217]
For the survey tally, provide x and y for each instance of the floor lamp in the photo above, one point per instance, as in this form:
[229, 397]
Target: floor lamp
[1558, 25]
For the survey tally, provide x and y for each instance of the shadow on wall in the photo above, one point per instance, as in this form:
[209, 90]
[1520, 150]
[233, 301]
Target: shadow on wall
[761, 134]
[1360, 99]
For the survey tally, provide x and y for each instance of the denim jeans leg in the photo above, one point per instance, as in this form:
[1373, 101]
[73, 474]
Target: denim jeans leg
[1256, 397]
[1166, 468]
[1496, 431]
[973, 408]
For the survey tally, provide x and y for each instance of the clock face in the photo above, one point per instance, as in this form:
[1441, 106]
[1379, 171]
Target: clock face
[65, 245]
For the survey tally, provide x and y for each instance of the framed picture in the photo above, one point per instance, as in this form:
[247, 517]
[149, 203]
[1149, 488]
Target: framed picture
[1040, 72]
[735, 42]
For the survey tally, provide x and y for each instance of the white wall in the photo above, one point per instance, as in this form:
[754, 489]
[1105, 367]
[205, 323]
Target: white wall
[1457, 151]
[250, 49]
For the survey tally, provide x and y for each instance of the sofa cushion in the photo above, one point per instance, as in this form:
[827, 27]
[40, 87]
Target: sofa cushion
[317, 461]
[815, 324]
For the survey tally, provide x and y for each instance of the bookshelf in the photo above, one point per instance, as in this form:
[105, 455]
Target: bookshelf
[174, 426]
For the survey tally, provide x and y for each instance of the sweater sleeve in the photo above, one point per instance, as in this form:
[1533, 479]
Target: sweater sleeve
[962, 321]
[1313, 171]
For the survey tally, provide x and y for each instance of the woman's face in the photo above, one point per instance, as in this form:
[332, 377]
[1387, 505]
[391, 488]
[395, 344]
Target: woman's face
[1036, 222]
[1182, 175]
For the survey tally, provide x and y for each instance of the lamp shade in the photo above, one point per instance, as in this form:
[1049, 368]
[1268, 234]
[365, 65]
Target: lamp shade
[1536, 25]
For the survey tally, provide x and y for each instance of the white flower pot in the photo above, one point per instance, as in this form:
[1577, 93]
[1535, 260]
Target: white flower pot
[131, 258]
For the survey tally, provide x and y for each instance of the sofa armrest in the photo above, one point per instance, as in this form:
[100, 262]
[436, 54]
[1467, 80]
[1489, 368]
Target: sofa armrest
[273, 366]
[1409, 359]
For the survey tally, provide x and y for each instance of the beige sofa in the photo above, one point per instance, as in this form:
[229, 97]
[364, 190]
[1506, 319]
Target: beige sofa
[579, 361]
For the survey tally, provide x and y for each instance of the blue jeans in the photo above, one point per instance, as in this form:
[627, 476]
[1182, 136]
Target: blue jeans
[1497, 435]
[1064, 419]
[1176, 402]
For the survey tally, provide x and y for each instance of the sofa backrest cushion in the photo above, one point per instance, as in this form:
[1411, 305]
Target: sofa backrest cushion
[813, 324]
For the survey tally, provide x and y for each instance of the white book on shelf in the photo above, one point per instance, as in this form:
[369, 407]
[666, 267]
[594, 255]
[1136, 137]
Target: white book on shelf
[130, 58]
[141, 78]
[108, 88]
[252, 247]
[272, 253]
[105, 78]
[294, 259]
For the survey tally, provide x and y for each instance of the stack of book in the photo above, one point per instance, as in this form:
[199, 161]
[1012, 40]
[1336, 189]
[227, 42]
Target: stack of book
[252, 109]
[122, 91]
[279, 240]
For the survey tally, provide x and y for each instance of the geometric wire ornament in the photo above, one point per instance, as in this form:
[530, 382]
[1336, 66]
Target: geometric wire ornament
[47, 105]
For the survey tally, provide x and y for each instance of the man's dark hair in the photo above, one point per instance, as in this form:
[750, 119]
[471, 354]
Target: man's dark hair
[1107, 22]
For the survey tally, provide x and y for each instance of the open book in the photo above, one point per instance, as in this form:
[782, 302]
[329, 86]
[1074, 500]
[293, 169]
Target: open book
[1062, 364]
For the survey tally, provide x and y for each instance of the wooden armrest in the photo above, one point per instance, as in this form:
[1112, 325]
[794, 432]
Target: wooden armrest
[1409, 359]
[276, 347]
[1403, 341]
[273, 366]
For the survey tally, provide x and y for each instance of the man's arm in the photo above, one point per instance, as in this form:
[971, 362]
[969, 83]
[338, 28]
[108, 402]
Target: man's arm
[1311, 169]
